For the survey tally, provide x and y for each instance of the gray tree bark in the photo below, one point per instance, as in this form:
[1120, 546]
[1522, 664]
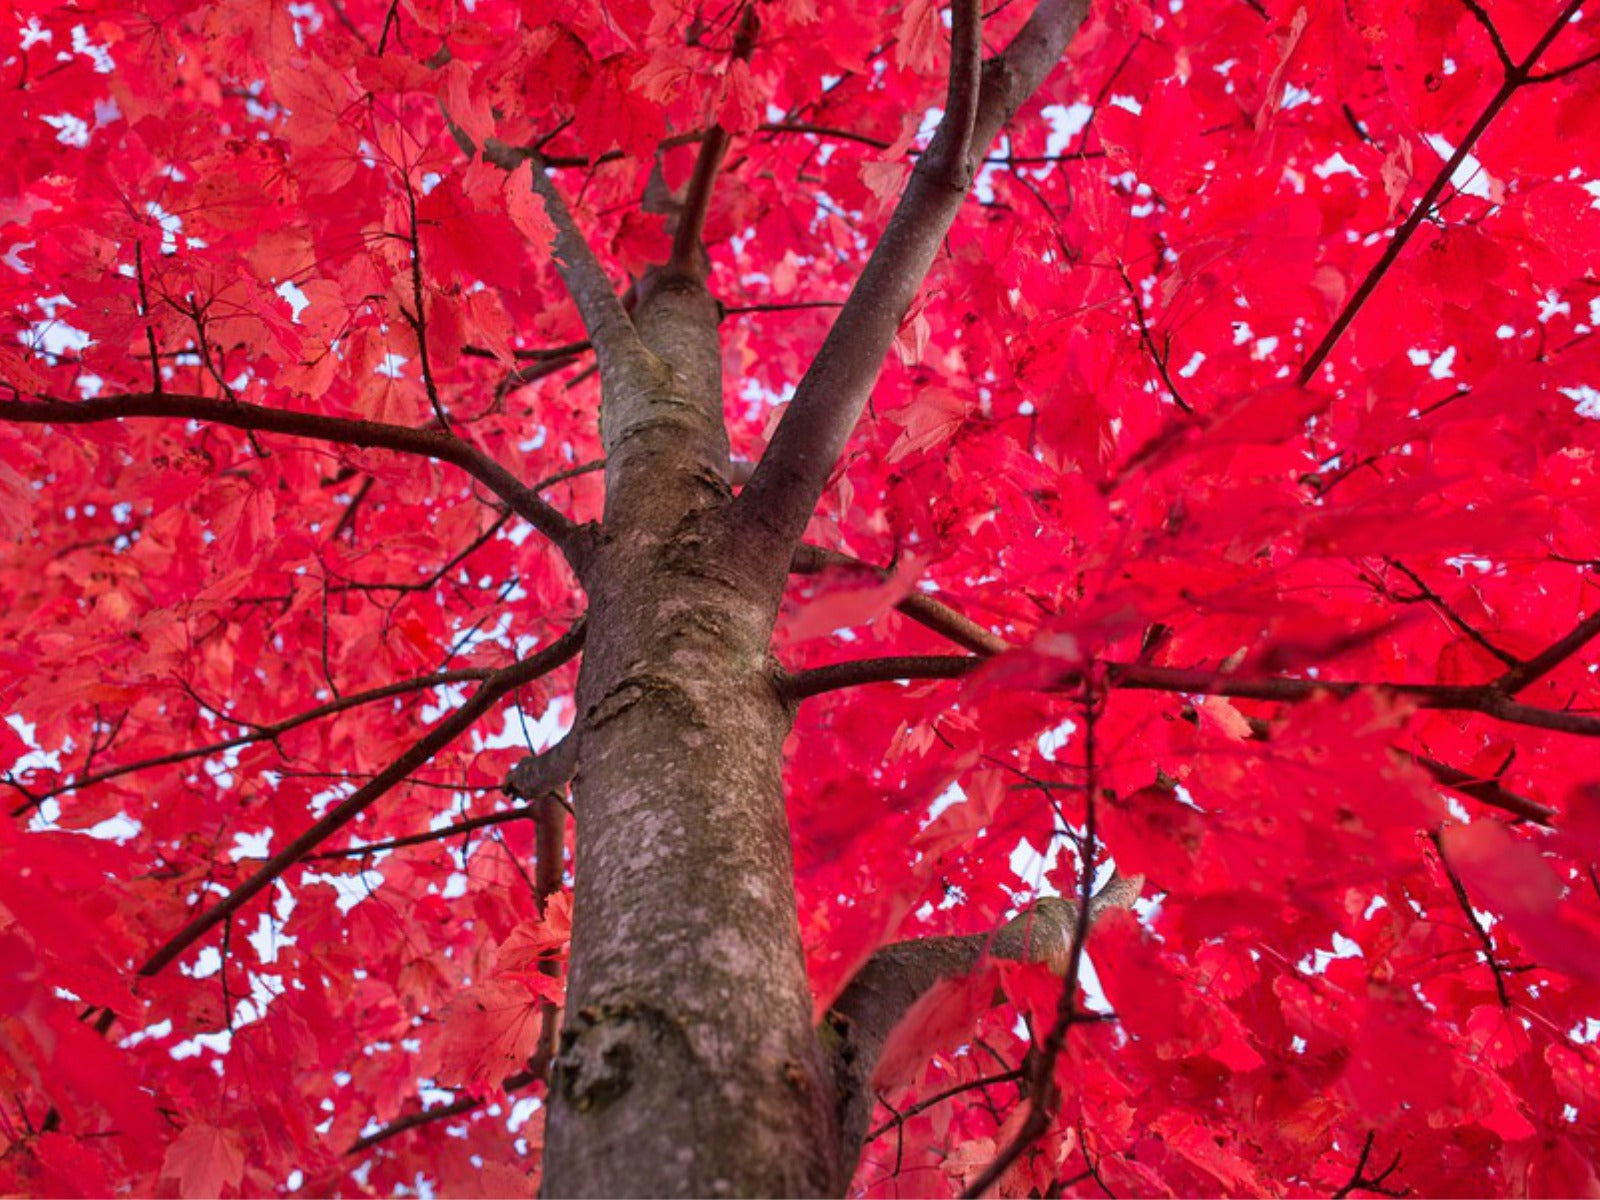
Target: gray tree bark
[688, 1063]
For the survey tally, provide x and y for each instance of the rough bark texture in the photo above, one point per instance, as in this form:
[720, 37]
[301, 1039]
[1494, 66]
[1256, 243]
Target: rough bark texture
[688, 1064]
[894, 978]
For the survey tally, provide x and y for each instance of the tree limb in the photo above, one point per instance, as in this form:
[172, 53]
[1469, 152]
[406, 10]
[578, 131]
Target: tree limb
[484, 821]
[463, 1104]
[1515, 77]
[687, 247]
[1044, 1094]
[545, 773]
[830, 397]
[925, 610]
[1525, 674]
[610, 329]
[859, 1023]
[348, 431]
[436, 739]
[1487, 699]
[259, 733]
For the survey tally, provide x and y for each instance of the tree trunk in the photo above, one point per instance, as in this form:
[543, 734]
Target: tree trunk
[688, 1062]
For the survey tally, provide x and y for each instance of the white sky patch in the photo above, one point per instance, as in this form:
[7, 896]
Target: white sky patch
[1337, 164]
[946, 799]
[253, 846]
[118, 827]
[100, 55]
[1066, 122]
[1587, 398]
[351, 889]
[1294, 95]
[1469, 177]
[296, 298]
[70, 130]
[1052, 740]
[1032, 867]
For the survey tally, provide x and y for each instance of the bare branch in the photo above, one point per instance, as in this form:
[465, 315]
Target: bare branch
[259, 733]
[425, 443]
[1515, 77]
[1043, 1092]
[610, 329]
[1482, 18]
[417, 319]
[1424, 592]
[1484, 791]
[1487, 699]
[616, 342]
[830, 397]
[1555, 73]
[923, 609]
[687, 247]
[1490, 959]
[547, 773]
[463, 1104]
[442, 834]
[899, 669]
[1145, 336]
[1536, 668]
[562, 650]
[892, 980]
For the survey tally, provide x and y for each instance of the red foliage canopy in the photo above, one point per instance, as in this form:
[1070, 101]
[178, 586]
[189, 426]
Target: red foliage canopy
[1252, 410]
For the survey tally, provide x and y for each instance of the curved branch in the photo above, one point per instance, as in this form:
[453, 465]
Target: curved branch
[562, 650]
[260, 733]
[616, 342]
[1523, 675]
[899, 669]
[894, 978]
[923, 609]
[520, 813]
[687, 247]
[347, 431]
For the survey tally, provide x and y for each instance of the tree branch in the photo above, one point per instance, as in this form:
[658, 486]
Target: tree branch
[859, 1023]
[464, 1104]
[923, 609]
[610, 329]
[687, 246]
[1524, 674]
[1044, 1094]
[562, 650]
[897, 669]
[1487, 699]
[259, 733]
[1484, 791]
[467, 825]
[374, 435]
[830, 397]
[1515, 77]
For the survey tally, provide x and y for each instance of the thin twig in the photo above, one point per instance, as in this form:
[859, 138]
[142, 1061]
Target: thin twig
[262, 732]
[426, 443]
[1516, 76]
[1541, 664]
[562, 650]
[1482, 934]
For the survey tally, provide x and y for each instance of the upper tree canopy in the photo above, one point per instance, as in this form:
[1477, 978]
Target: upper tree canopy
[1250, 411]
